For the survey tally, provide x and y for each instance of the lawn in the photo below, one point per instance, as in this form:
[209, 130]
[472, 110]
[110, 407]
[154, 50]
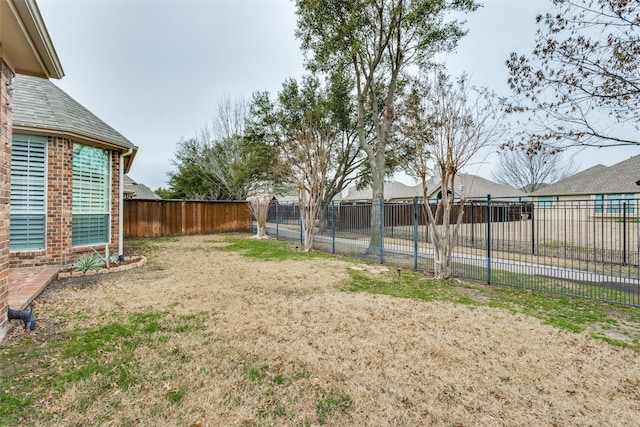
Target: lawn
[225, 330]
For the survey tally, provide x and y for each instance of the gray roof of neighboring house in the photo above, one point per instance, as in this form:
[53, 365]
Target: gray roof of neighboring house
[599, 179]
[476, 187]
[41, 106]
[471, 186]
[392, 191]
[135, 190]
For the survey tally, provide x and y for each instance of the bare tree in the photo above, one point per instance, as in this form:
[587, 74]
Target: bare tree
[445, 124]
[219, 163]
[581, 84]
[531, 171]
[223, 154]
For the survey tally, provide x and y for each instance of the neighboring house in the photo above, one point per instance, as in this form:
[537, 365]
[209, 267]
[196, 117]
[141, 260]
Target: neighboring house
[608, 187]
[474, 187]
[135, 190]
[66, 169]
[26, 48]
[469, 186]
[392, 191]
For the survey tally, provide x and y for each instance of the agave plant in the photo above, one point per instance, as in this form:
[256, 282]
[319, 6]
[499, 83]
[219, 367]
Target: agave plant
[88, 262]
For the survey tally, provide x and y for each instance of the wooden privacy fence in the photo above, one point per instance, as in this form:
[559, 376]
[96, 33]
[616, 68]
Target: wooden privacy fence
[159, 218]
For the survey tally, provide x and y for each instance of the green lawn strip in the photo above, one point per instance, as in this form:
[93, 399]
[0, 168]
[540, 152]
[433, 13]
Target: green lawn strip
[20, 378]
[408, 285]
[100, 357]
[545, 284]
[266, 249]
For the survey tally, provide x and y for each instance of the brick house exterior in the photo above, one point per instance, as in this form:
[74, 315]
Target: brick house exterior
[44, 111]
[61, 167]
[25, 47]
[6, 76]
[59, 249]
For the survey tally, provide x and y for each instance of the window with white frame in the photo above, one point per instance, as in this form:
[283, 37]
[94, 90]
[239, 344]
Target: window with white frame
[28, 210]
[91, 195]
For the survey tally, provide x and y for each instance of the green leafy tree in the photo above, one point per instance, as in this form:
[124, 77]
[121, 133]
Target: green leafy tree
[581, 84]
[308, 123]
[165, 193]
[191, 179]
[376, 41]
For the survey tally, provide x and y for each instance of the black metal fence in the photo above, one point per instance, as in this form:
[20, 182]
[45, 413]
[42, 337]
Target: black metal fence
[583, 248]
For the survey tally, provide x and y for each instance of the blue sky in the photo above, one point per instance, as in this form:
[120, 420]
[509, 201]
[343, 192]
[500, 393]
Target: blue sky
[155, 69]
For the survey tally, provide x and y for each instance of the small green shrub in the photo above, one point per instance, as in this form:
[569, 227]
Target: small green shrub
[88, 262]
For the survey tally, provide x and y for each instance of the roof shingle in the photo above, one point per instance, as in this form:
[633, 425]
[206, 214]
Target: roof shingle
[599, 179]
[471, 186]
[40, 105]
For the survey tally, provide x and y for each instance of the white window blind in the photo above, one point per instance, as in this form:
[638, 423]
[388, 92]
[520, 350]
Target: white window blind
[28, 193]
[91, 195]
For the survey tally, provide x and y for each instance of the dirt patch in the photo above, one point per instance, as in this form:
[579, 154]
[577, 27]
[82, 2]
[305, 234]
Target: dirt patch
[280, 344]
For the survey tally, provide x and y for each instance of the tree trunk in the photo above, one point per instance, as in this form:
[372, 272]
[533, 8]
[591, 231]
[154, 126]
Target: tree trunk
[262, 232]
[260, 209]
[307, 228]
[377, 194]
[323, 222]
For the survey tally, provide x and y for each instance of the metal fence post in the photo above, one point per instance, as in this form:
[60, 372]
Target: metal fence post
[300, 221]
[381, 207]
[489, 219]
[624, 233]
[533, 229]
[333, 227]
[277, 222]
[415, 233]
[473, 224]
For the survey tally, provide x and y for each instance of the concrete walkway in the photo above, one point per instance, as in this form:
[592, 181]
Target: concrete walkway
[25, 284]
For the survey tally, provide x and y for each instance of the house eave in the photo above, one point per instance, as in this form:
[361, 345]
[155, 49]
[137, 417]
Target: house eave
[30, 49]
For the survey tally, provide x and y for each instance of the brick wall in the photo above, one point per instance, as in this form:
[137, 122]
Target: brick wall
[115, 201]
[59, 196]
[59, 250]
[6, 77]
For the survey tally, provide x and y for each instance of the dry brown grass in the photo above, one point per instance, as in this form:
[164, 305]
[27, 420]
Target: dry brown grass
[279, 344]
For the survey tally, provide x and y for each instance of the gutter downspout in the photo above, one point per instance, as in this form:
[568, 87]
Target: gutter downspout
[27, 317]
[121, 206]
